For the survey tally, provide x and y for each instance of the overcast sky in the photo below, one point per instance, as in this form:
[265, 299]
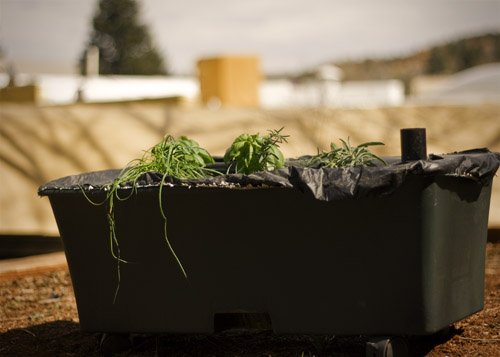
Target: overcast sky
[288, 35]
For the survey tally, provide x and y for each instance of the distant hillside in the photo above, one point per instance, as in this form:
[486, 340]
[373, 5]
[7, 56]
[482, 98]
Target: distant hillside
[443, 59]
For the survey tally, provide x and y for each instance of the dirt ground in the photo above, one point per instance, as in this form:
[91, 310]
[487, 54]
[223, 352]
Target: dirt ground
[38, 317]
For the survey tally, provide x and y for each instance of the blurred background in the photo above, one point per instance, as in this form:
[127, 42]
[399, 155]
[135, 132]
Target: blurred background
[87, 85]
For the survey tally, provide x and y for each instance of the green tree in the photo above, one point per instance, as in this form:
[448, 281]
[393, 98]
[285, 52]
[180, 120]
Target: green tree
[436, 63]
[462, 54]
[125, 45]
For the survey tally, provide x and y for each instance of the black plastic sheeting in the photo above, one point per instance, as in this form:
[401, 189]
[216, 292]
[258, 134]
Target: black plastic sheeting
[324, 184]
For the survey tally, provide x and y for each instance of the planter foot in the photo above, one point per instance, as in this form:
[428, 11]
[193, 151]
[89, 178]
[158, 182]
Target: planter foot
[386, 347]
[242, 321]
[112, 343]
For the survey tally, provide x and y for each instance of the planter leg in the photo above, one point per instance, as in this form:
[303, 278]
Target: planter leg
[242, 320]
[112, 343]
[386, 347]
[444, 333]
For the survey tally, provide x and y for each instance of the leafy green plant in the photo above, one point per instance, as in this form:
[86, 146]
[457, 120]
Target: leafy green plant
[181, 158]
[252, 153]
[346, 155]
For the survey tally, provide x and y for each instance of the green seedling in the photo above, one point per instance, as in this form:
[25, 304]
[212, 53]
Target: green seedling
[253, 153]
[346, 156]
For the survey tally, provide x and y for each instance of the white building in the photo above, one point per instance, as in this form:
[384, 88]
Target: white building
[480, 84]
[65, 88]
[322, 88]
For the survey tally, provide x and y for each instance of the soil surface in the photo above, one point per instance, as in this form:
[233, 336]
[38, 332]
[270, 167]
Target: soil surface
[38, 317]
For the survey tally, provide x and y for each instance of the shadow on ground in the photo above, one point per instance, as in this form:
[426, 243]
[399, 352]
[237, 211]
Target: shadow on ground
[56, 338]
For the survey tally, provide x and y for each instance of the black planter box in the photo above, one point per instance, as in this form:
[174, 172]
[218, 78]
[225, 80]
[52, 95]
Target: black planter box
[410, 261]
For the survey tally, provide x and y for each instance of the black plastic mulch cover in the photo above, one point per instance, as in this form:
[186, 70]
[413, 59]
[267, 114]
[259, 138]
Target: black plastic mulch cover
[324, 184]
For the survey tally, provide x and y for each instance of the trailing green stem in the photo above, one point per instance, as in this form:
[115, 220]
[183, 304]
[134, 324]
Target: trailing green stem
[164, 216]
[181, 158]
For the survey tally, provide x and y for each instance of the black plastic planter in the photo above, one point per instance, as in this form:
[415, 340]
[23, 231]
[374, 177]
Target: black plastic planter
[406, 258]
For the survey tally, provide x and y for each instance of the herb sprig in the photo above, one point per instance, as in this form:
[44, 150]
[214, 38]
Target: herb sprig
[346, 155]
[252, 153]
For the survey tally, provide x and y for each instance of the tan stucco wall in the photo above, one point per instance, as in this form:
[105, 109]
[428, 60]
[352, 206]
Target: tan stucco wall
[38, 144]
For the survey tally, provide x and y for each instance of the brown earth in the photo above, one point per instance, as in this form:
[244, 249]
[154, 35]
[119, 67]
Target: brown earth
[38, 317]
